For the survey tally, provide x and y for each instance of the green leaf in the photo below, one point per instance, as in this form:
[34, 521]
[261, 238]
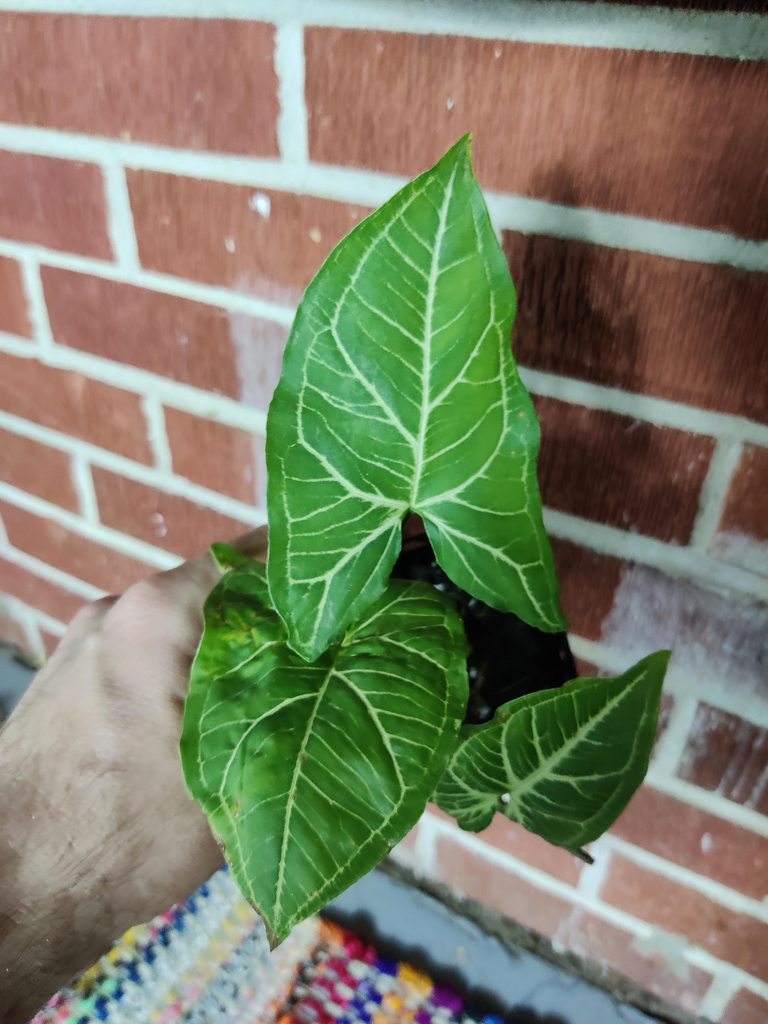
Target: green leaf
[564, 763]
[399, 392]
[310, 773]
[226, 557]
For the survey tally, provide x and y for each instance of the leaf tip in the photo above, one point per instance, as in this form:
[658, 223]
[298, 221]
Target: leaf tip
[274, 939]
[659, 660]
[460, 153]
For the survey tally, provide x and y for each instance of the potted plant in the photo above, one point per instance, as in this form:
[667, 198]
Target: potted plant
[327, 698]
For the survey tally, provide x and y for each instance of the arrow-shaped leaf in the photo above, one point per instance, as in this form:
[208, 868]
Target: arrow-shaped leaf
[310, 773]
[564, 763]
[399, 392]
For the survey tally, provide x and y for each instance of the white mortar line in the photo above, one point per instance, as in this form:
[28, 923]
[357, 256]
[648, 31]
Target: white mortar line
[289, 64]
[592, 650]
[48, 572]
[21, 613]
[660, 411]
[149, 475]
[209, 295]
[677, 683]
[537, 876]
[668, 558]
[694, 955]
[714, 493]
[371, 188]
[120, 217]
[36, 305]
[82, 481]
[425, 850]
[723, 988]
[129, 378]
[3, 534]
[103, 535]
[599, 537]
[600, 25]
[608, 540]
[670, 748]
[715, 891]
[156, 434]
[624, 231]
[46, 621]
[593, 876]
[702, 958]
[709, 802]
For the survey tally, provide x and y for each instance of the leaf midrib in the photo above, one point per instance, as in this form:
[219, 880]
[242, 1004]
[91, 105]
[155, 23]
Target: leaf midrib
[426, 376]
[529, 783]
[290, 801]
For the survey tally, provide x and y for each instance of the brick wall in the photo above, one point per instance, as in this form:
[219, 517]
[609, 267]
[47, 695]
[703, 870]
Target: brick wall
[168, 185]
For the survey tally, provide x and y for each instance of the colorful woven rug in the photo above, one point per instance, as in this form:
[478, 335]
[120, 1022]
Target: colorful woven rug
[206, 961]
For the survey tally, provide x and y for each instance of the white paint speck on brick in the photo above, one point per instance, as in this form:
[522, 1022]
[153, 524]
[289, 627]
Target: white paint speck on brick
[260, 203]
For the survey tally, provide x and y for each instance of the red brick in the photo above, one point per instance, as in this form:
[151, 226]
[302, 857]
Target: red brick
[742, 537]
[694, 839]
[729, 756]
[471, 874]
[621, 471]
[735, 937]
[191, 342]
[585, 669]
[162, 519]
[211, 454]
[588, 584]
[593, 938]
[52, 202]
[67, 401]
[584, 311]
[14, 317]
[50, 641]
[405, 851]
[38, 469]
[199, 84]
[518, 842]
[668, 136]
[214, 232]
[64, 549]
[38, 593]
[745, 508]
[746, 1008]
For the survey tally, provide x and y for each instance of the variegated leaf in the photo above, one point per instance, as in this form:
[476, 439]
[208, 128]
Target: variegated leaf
[310, 773]
[564, 763]
[399, 393]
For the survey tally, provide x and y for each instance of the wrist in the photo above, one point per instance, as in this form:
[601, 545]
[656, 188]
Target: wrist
[57, 914]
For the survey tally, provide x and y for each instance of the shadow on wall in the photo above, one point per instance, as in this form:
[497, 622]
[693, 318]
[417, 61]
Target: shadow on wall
[678, 329]
[571, 321]
[571, 316]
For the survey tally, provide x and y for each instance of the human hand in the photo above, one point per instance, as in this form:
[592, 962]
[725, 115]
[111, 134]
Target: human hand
[97, 830]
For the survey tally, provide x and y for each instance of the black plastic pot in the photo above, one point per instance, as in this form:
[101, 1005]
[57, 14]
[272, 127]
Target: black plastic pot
[508, 658]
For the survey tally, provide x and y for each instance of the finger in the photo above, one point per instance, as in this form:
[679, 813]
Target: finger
[253, 544]
[197, 577]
